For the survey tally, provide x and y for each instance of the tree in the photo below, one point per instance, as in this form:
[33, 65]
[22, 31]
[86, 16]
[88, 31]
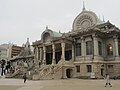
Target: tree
[8, 65]
[2, 66]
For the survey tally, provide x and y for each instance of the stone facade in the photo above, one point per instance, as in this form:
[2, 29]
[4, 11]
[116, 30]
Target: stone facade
[90, 50]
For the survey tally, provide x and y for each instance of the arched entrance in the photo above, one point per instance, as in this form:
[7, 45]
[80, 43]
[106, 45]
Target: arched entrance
[102, 71]
[69, 73]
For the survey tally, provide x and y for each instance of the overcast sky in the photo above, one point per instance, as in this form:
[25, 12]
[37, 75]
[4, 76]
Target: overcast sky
[20, 19]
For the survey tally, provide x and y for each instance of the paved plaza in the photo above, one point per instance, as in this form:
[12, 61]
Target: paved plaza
[61, 84]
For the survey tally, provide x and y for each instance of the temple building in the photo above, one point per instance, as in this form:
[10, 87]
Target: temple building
[90, 50]
[22, 63]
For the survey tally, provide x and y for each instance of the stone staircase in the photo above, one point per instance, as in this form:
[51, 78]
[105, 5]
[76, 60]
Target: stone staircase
[44, 71]
[16, 74]
[19, 72]
[52, 71]
[49, 72]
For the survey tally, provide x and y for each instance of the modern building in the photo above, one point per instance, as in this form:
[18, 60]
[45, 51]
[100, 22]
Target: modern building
[9, 51]
[4, 48]
[14, 50]
[90, 50]
[3, 53]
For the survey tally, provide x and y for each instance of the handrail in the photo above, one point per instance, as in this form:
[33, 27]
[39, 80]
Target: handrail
[54, 70]
[15, 73]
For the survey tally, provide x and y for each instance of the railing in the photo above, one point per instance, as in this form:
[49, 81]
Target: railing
[15, 73]
[51, 70]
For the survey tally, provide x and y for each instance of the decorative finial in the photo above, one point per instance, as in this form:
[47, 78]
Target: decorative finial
[103, 19]
[84, 6]
[27, 45]
[27, 39]
[59, 31]
[108, 21]
[46, 27]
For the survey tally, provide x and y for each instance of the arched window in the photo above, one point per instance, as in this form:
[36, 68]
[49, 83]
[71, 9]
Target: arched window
[46, 37]
[109, 50]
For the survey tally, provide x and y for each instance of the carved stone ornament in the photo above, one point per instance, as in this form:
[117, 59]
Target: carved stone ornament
[84, 20]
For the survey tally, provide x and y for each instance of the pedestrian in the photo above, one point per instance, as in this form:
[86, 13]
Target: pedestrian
[24, 77]
[108, 80]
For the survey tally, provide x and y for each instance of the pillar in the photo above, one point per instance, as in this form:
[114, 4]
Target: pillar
[83, 48]
[95, 51]
[95, 46]
[73, 51]
[53, 58]
[63, 52]
[116, 47]
[41, 55]
[36, 55]
[44, 54]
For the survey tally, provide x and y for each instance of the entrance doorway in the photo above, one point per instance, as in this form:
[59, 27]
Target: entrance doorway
[102, 71]
[58, 56]
[48, 58]
[69, 73]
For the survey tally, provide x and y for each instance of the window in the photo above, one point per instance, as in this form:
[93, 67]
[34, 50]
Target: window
[89, 48]
[99, 48]
[78, 68]
[109, 50]
[110, 68]
[46, 37]
[89, 68]
[78, 49]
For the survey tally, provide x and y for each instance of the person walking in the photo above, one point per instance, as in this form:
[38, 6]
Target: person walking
[24, 77]
[108, 80]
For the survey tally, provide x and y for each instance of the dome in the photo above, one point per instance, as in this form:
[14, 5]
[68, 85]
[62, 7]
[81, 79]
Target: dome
[84, 20]
[48, 34]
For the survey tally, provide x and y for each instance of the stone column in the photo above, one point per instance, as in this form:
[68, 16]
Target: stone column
[83, 48]
[41, 55]
[44, 54]
[53, 58]
[104, 49]
[95, 44]
[73, 52]
[36, 55]
[116, 46]
[63, 52]
[63, 60]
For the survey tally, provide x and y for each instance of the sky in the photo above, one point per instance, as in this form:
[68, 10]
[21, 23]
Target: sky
[22, 19]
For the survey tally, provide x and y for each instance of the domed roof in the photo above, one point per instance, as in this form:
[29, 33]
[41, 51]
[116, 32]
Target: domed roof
[51, 32]
[84, 20]
[56, 34]
[48, 34]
